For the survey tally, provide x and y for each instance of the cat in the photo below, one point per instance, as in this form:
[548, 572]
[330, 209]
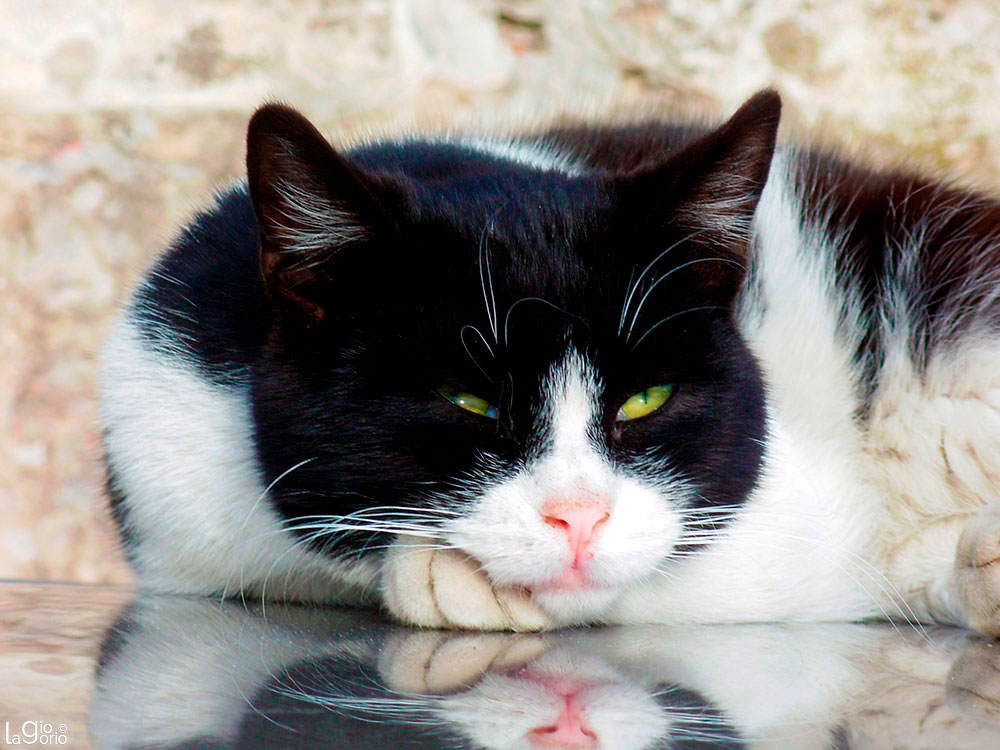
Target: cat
[635, 372]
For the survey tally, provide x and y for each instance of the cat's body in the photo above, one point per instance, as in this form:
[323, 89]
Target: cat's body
[595, 374]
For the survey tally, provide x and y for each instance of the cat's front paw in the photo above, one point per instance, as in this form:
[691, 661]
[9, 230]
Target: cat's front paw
[977, 571]
[426, 585]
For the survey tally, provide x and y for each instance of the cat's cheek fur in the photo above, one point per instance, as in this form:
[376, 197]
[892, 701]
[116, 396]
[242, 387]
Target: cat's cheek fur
[795, 552]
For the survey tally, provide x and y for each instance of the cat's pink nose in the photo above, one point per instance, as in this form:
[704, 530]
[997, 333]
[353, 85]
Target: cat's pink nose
[578, 521]
[569, 731]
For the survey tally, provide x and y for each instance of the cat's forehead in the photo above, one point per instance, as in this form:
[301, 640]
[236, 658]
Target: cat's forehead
[491, 192]
[511, 262]
[517, 218]
[543, 247]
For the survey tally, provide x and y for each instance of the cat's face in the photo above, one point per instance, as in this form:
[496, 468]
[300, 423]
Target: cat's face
[539, 367]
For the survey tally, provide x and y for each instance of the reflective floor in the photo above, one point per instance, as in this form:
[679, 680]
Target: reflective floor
[189, 673]
[183, 673]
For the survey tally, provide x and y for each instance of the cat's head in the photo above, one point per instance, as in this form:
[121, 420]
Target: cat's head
[502, 349]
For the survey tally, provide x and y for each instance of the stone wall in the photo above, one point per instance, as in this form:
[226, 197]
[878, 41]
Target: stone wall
[118, 118]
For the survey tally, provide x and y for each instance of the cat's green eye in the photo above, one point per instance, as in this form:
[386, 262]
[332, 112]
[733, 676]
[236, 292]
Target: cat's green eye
[644, 402]
[470, 402]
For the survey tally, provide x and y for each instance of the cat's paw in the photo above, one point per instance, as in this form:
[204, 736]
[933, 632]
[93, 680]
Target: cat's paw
[974, 682]
[434, 662]
[977, 571]
[425, 585]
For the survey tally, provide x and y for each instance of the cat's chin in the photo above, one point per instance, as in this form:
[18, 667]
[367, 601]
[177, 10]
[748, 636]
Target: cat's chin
[574, 605]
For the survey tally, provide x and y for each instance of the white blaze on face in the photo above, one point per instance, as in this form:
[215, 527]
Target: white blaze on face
[569, 465]
[514, 528]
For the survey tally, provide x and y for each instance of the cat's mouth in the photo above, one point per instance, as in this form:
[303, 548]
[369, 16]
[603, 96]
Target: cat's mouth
[572, 602]
[573, 578]
[574, 595]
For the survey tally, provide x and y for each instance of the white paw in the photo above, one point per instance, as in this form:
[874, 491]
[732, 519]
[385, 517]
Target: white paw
[445, 588]
[977, 571]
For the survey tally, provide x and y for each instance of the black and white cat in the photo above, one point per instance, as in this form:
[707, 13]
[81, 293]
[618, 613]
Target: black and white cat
[646, 372]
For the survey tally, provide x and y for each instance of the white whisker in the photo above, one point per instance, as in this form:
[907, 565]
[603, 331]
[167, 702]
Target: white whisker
[632, 289]
[665, 276]
[486, 281]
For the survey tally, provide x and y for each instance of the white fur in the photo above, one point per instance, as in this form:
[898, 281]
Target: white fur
[314, 224]
[532, 154]
[182, 452]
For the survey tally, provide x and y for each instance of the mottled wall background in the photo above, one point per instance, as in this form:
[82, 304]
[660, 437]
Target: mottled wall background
[117, 118]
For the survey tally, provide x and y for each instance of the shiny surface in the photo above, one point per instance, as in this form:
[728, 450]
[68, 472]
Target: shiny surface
[50, 636]
[175, 672]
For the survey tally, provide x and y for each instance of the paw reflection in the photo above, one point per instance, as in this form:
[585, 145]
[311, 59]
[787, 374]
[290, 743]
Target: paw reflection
[431, 661]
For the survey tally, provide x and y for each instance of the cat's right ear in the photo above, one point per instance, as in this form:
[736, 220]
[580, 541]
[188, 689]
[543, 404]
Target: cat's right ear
[311, 205]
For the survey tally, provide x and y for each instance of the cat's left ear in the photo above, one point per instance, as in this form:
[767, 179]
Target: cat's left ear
[311, 206]
[712, 186]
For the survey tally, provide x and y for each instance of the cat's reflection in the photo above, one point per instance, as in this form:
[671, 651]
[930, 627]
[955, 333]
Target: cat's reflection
[569, 691]
[183, 673]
